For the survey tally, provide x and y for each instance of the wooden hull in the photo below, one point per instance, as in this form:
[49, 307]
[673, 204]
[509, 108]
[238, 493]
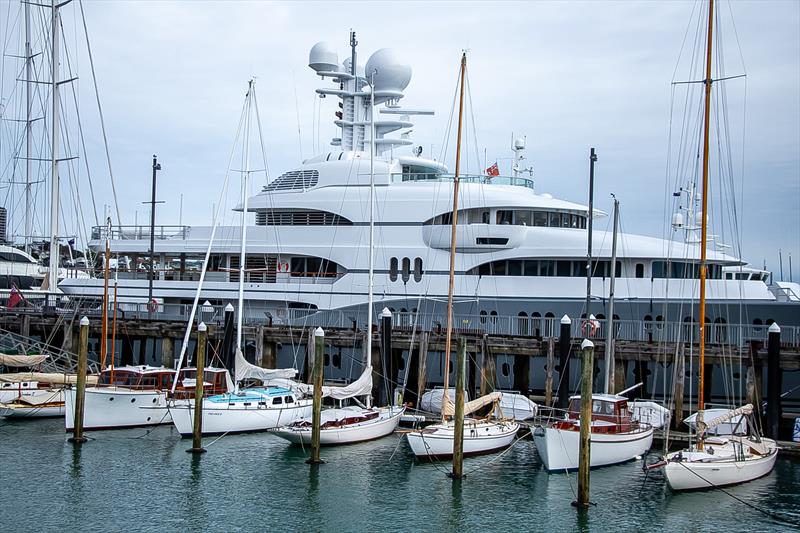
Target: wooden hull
[480, 437]
[368, 430]
[558, 448]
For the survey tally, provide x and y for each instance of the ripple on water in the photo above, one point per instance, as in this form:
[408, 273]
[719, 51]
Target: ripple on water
[135, 480]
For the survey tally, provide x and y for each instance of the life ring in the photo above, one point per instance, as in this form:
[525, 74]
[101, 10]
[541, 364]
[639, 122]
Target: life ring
[152, 305]
[590, 326]
[283, 267]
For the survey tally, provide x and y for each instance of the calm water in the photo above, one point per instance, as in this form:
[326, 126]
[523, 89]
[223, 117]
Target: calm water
[131, 480]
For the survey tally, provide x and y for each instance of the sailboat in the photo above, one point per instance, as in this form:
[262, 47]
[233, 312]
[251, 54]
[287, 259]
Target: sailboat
[357, 423]
[617, 435]
[715, 461]
[253, 408]
[480, 436]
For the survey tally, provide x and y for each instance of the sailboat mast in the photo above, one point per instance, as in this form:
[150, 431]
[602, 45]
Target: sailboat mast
[104, 333]
[28, 128]
[451, 284]
[609, 385]
[704, 225]
[243, 249]
[370, 296]
[52, 272]
[592, 159]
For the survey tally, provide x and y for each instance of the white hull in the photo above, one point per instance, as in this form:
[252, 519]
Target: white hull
[115, 407]
[480, 437]
[220, 418]
[11, 391]
[700, 470]
[558, 448]
[18, 410]
[382, 426]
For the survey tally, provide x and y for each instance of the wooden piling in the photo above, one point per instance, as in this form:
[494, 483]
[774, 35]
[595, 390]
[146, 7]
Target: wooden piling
[270, 355]
[548, 380]
[316, 418]
[80, 385]
[423, 365]
[259, 356]
[458, 425]
[678, 378]
[584, 450]
[200, 362]
[774, 379]
[489, 370]
[167, 352]
[564, 342]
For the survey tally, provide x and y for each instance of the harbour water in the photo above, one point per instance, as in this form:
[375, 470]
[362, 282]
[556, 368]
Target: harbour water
[140, 480]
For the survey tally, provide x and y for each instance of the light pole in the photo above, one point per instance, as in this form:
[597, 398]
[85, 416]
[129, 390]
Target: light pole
[156, 168]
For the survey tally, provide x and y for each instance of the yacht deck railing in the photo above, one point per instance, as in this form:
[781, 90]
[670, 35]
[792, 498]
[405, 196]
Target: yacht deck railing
[464, 178]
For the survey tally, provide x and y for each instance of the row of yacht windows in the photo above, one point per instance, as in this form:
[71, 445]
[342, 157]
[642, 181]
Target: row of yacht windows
[300, 217]
[601, 269]
[513, 217]
[402, 268]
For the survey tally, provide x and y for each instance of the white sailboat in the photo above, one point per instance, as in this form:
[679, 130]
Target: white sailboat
[616, 435]
[480, 436]
[356, 423]
[722, 460]
[253, 408]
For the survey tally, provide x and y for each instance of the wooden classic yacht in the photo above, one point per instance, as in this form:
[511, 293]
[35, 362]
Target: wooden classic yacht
[616, 436]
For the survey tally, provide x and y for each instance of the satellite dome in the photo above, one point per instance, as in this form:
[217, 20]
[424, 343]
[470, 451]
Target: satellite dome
[390, 74]
[519, 143]
[323, 58]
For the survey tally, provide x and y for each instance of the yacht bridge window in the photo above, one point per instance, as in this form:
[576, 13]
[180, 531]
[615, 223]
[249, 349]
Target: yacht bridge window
[312, 267]
[513, 217]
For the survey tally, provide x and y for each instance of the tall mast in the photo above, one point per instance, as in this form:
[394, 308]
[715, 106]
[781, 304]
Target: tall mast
[608, 386]
[704, 225]
[28, 127]
[451, 283]
[592, 159]
[368, 355]
[243, 248]
[52, 272]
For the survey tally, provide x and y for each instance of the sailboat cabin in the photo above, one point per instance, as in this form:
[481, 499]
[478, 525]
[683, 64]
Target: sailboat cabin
[610, 414]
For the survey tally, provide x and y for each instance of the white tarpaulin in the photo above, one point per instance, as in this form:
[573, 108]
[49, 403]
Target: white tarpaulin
[474, 405]
[431, 400]
[246, 370]
[720, 422]
[21, 360]
[41, 377]
[714, 422]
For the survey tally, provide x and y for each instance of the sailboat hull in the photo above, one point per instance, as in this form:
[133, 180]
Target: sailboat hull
[117, 407]
[480, 437]
[558, 448]
[384, 425]
[700, 470]
[222, 418]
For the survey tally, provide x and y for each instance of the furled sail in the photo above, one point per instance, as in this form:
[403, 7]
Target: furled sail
[246, 370]
[360, 387]
[470, 407]
[21, 360]
[703, 426]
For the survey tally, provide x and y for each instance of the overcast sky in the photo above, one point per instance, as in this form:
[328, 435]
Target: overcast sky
[568, 75]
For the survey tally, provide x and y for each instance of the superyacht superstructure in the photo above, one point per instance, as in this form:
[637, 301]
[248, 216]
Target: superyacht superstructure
[519, 253]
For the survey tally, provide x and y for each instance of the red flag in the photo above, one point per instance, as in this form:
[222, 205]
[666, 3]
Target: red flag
[14, 298]
[493, 170]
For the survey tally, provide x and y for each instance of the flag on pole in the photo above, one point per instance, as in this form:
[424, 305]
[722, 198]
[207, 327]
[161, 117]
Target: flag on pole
[493, 170]
[14, 298]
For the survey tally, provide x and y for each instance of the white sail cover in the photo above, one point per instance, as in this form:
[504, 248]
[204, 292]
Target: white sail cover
[50, 378]
[21, 360]
[246, 370]
[714, 422]
[471, 407]
[360, 387]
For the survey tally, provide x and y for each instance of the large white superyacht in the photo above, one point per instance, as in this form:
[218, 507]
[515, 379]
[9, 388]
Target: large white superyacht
[520, 253]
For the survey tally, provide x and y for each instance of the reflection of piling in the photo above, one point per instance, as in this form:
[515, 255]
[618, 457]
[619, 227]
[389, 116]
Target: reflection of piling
[80, 385]
[319, 348]
[388, 361]
[774, 379]
[584, 450]
[228, 336]
[563, 375]
[197, 429]
[458, 426]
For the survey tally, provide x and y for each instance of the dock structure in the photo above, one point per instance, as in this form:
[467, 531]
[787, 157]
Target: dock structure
[634, 356]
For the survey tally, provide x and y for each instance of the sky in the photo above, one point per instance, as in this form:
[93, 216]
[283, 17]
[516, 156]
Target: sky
[567, 75]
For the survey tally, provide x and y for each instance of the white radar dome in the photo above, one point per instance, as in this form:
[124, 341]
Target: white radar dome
[390, 73]
[519, 143]
[323, 58]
